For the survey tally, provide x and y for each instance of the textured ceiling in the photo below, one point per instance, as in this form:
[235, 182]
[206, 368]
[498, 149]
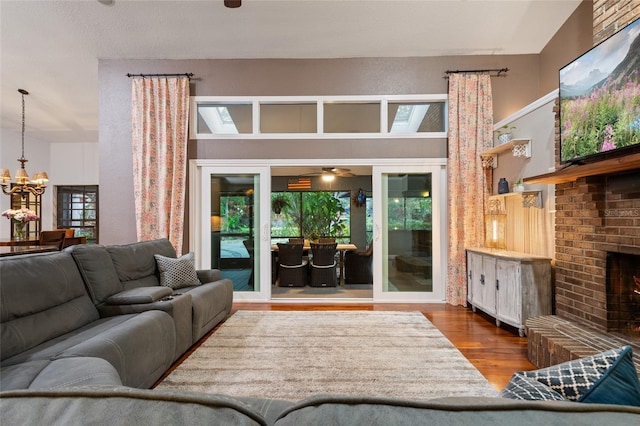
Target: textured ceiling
[51, 47]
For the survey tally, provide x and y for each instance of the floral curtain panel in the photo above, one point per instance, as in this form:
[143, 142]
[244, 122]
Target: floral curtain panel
[470, 133]
[160, 116]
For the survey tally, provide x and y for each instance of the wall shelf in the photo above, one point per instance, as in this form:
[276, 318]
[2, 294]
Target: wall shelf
[529, 199]
[519, 148]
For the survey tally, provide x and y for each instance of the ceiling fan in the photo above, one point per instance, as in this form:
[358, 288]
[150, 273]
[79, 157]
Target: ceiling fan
[332, 171]
[232, 4]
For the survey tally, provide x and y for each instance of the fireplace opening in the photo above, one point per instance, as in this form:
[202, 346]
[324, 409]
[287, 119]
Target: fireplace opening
[623, 294]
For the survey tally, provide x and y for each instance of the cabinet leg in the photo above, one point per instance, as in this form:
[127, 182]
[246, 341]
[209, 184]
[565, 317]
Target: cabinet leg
[521, 332]
[473, 308]
[498, 323]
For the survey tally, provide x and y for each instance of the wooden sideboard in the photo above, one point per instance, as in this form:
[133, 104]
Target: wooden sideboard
[510, 286]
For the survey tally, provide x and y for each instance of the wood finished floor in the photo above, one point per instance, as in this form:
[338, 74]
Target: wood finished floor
[496, 352]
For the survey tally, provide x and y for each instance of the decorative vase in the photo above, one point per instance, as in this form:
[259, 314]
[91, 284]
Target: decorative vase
[503, 186]
[18, 230]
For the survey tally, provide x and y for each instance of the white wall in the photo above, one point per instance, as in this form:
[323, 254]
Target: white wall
[65, 163]
[74, 163]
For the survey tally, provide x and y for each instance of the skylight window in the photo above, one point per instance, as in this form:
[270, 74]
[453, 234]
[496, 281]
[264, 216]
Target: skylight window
[408, 118]
[218, 119]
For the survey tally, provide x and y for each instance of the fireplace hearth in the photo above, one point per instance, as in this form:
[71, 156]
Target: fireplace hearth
[623, 294]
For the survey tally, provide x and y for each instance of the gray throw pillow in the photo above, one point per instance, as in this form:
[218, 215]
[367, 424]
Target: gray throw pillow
[177, 273]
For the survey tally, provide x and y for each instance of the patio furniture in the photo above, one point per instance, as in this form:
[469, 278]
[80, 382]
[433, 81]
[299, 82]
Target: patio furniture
[323, 265]
[292, 268]
[357, 266]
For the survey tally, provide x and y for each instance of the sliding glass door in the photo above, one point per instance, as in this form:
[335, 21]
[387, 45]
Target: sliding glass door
[409, 249]
[233, 235]
[231, 211]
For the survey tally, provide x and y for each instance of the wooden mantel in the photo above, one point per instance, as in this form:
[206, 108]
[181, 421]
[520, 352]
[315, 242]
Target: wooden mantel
[574, 172]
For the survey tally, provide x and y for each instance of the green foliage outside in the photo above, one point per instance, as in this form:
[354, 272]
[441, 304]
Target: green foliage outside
[311, 215]
[236, 214]
[410, 213]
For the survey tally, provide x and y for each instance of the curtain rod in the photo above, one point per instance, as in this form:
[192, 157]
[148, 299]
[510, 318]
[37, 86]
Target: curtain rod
[186, 74]
[500, 72]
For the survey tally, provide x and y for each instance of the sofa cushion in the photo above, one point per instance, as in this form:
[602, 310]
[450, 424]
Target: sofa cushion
[43, 298]
[124, 406]
[59, 373]
[177, 273]
[609, 377]
[97, 270]
[141, 346]
[371, 411]
[211, 304]
[135, 263]
[141, 295]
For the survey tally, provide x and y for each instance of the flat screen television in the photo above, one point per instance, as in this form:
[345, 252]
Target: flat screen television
[600, 100]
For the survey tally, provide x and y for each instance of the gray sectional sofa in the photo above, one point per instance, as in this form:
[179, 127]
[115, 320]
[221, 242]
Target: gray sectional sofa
[126, 406]
[84, 329]
[96, 315]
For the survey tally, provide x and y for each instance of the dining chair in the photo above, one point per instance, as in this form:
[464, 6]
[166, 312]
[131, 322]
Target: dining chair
[292, 268]
[357, 266]
[323, 265]
[327, 240]
[53, 238]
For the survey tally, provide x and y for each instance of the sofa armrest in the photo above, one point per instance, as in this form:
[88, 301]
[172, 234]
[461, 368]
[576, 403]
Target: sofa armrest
[209, 275]
[139, 295]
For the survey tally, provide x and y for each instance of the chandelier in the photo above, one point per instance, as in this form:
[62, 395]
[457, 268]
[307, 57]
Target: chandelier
[22, 186]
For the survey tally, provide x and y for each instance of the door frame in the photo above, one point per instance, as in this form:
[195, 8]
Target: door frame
[200, 223]
[437, 168]
[200, 219]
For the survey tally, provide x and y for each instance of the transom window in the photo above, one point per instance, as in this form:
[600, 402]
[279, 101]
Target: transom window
[402, 116]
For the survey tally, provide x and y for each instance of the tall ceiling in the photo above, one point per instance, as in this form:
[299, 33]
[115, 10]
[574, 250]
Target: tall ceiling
[51, 47]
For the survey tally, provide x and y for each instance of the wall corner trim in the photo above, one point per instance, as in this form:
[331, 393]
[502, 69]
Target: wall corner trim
[549, 97]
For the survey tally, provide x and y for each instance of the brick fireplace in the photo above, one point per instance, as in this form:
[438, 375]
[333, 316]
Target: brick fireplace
[623, 294]
[598, 229]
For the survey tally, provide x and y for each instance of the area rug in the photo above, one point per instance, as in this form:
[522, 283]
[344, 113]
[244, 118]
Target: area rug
[293, 355]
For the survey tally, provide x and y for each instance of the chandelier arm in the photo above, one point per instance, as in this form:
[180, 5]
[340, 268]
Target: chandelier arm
[22, 186]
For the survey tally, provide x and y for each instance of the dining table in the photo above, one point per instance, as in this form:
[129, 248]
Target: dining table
[22, 249]
[340, 248]
[33, 241]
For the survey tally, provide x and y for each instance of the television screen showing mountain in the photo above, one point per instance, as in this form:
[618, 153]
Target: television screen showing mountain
[600, 98]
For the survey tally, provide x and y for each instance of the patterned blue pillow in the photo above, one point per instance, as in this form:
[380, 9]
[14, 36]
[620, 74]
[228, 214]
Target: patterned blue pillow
[522, 387]
[606, 378]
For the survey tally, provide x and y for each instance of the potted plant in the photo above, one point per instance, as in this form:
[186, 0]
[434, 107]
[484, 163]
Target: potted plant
[505, 133]
[518, 186]
[279, 202]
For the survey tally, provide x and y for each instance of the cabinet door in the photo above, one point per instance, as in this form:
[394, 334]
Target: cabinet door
[482, 282]
[474, 269]
[509, 300]
[488, 285]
